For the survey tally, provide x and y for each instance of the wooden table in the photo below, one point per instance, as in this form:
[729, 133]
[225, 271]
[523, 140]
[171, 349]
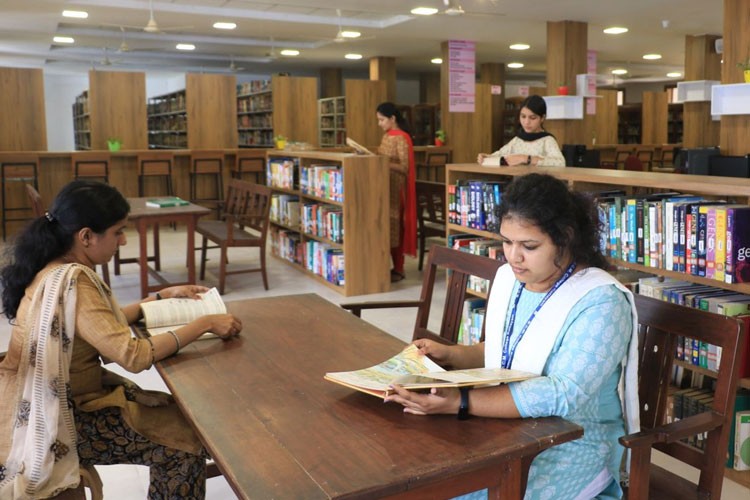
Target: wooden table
[277, 429]
[142, 217]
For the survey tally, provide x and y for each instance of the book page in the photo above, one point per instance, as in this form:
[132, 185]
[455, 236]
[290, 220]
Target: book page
[179, 311]
[491, 161]
[358, 147]
[457, 378]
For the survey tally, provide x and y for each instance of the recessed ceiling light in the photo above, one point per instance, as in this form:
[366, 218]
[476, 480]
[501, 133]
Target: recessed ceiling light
[353, 57]
[436, 60]
[185, 46]
[674, 74]
[78, 14]
[619, 71]
[615, 30]
[224, 26]
[652, 57]
[351, 34]
[424, 11]
[63, 39]
[515, 65]
[290, 52]
[520, 46]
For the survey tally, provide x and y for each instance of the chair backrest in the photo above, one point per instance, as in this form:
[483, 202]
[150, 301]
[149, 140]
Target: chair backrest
[19, 166]
[90, 164]
[661, 326]
[249, 160]
[155, 163]
[249, 204]
[432, 158]
[430, 203]
[460, 266]
[37, 205]
[206, 162]
[646, 156]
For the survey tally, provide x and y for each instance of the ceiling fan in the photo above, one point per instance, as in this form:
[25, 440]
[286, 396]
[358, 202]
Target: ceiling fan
[233, 66]
[152, 26]
[454, 8]
[345, 35]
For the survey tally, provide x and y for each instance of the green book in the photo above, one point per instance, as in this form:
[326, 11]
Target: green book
[167, 201]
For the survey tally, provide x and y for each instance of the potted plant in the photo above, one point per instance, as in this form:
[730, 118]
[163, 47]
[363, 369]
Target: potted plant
[562, 89]
[114, 144]
[439, 137]
[280, 141]
[745, 66]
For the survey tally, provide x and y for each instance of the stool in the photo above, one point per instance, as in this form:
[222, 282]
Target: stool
[157, 165]
[249, 161]
[23, 169]
[91, 165]
[207, 164]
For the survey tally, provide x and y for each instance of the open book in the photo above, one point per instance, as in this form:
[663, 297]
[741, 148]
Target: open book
[168, 314]
[414, 371]
[358, 147]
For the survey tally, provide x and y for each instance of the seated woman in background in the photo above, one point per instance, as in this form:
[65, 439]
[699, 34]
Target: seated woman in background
[61, 407]
[533, 145]
[555, 312]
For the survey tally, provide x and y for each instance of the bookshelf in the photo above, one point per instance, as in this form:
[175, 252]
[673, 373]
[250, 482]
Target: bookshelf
[332, 122]
[82, 122]
[510, 117]
[426, 117]
[734, 190]
[255, 114]
[629, 124]
[674, 123]
[361, 203]
[167, 121]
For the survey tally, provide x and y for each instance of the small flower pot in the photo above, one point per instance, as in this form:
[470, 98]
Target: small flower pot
[280, 144]
[562, 90]
[747, 75]
[438, 142]
[114, 146]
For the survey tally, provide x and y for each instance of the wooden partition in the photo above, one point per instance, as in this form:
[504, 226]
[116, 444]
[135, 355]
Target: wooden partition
[295, 108]
[362, 99]
[605, 122]
[211, 111]
[117, 109]
[654, 118]
[469, 134]
[23, 126]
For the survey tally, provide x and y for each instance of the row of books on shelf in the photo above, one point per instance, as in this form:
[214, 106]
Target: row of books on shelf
[253, 86]
[258, 103]
[332, 122]
[331, 106]
[486, 247]
[167, 104]
[282, 173]
[318, 258]
[331, 138]
[678, 233]
[472, 321]
[475, 204]
[325, 221]
[285, 209]
[323, 181]
[259, 138]
[255, 121]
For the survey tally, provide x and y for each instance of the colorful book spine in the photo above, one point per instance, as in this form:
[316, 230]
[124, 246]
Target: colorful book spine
[721, 241]
[737, 269]
[711, 242]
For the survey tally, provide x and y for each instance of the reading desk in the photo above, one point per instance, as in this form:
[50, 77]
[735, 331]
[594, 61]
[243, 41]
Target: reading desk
[143, 216]
[277, 429]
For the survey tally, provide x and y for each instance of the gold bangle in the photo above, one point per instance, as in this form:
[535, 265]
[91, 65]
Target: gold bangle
[176, 340]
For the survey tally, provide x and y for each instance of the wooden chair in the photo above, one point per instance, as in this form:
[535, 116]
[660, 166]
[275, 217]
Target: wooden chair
[37, 207]
[91, 165]
[155, 165]
[249, 161]
[621, 154]
[666, 157]
[15, 169]
[433, 168]
[207, 164]
[431, 216]
[460, 265]
[247, 206]
[646, 156]
[660, 326]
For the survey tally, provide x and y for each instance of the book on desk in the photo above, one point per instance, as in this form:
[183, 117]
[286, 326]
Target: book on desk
[166, 201]
[160, 316]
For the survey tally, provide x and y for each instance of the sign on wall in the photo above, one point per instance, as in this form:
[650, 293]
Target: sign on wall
[461, 76]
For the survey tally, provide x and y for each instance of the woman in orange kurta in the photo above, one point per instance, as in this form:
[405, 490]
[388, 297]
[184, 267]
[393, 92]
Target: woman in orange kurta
[398, 147]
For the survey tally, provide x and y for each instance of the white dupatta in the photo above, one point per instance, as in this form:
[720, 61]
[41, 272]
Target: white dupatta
[43, 457]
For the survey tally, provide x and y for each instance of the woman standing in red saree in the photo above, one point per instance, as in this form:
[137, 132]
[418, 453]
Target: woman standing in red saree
[398, 147]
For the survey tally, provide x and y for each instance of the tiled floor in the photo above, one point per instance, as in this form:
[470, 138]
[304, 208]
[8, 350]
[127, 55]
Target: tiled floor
[128, 482]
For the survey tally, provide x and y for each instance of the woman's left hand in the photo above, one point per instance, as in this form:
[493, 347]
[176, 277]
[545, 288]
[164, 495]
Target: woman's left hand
[436, 401]
[182, 291]
[516, 159]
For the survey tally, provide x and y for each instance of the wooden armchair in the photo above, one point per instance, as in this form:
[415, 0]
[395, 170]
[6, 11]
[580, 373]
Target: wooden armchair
[244, 223]
[660, 326]
[461, 265]
[431, 216]
[622, 152]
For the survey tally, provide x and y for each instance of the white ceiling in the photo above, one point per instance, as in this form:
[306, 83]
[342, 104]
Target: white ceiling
[265, 27]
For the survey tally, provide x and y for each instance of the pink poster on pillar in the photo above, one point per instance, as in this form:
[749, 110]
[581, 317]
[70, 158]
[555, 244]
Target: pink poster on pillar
[461, 76]
[591, 82]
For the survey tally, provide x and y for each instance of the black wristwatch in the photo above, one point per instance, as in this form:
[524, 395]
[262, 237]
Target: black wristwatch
[463, 408]
[528, 160]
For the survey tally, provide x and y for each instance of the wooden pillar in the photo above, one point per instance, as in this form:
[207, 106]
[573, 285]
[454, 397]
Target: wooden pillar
[701, 63]
[654, 118]
[330, 82]
[735, 128]
[567, 45]
[384, 69]
[23, 126]
[429, 88]
[493, 74]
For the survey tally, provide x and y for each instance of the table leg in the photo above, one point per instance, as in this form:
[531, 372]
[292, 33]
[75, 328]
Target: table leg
[191, 249]
[142, 227]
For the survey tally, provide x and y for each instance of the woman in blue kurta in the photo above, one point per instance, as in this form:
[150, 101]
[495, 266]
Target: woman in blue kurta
[552, 311]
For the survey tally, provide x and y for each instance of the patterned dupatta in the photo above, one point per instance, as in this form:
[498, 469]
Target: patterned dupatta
[410, 202]
[43, 458]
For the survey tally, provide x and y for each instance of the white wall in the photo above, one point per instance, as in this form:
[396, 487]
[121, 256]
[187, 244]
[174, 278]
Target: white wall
[60, 93]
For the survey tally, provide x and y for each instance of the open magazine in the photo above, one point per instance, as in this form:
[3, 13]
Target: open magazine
[360, 149]
[168, 314]
[415, 371]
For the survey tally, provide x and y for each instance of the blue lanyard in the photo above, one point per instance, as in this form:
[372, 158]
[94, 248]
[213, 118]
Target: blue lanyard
[510, 352]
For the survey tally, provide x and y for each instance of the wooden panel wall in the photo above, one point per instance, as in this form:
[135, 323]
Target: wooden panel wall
[494, 74]
[735, 128]
[295, 108]
[117, 106]
[362, 99]
[384, 69]
[429, 88]
[23, 126]
[469, 134]
[654, 122]
[605, 122]
[701, 60]
[699, 129]
[330, 82]
[701, 63]
[212, 111]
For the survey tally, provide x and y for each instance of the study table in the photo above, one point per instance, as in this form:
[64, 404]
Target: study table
[142, 217]
[277, 429]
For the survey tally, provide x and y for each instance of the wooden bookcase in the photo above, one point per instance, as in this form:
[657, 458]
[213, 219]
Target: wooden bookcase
[629, 124]
[362, 99]
[366, 242]
[332, 122]
[255, 114]
[82, 122]
[24, 126]
[674, 123]
[167, 121]
[425, 124]
[654, 118]
[732, 189]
